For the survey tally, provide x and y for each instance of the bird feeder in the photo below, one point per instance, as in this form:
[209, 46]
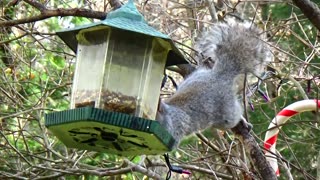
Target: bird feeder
[116, 86]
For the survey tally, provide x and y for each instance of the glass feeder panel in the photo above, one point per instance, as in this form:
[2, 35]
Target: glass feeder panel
[92, 44]
[127, 74]
[157, 62]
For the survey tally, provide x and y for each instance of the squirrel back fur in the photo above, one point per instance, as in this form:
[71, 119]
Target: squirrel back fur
[207, 97]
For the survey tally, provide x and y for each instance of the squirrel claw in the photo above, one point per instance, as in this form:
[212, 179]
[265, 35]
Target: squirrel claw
[246, 124]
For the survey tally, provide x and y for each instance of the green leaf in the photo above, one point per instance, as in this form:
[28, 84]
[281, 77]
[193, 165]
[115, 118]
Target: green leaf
[58, 62]
[80, 21]
[44, 77]
[136, 159]
[280, 11]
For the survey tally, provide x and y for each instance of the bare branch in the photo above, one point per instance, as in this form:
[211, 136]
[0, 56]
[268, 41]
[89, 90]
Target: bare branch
[310, 10]
[138, 168]
[252, 147]
[45, 14]
[206, 171]
[36, 5]
[212, 10]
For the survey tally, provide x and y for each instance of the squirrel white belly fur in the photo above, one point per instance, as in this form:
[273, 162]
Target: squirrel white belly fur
[207, 97]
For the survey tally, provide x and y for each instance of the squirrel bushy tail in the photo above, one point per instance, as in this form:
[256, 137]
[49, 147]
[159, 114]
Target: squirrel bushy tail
[207, 97]
[236, 47]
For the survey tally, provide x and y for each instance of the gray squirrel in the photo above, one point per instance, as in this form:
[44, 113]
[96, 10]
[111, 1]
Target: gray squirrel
[207, 97]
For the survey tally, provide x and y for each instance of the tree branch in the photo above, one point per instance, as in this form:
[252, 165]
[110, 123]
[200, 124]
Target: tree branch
[310, 10]
[208, 171]
[36, 5]
[257, 156]
[45, 14]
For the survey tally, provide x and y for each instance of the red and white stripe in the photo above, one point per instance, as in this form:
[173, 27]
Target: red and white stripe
[272, 134]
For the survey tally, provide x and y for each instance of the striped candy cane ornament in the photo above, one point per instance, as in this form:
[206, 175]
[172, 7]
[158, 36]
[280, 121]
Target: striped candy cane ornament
[271, 136]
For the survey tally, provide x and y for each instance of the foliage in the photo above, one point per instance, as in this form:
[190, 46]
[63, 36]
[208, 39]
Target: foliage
[36, 72]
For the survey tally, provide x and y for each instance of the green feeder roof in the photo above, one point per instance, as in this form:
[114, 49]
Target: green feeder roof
[95, 129]
[126, 18]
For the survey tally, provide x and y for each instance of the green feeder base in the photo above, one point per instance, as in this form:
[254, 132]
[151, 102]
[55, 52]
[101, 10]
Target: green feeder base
[95, 129]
